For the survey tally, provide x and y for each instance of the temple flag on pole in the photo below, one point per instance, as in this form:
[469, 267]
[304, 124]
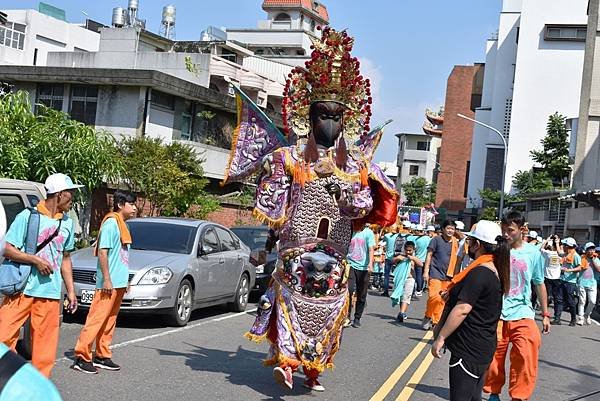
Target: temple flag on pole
[254, 137]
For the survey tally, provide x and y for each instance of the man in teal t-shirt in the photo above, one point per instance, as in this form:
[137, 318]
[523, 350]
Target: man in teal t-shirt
[41, 298]
[422, 241]
[587, 285]
[568, 280]
[360, 258]
[113, 279]
[517, 325]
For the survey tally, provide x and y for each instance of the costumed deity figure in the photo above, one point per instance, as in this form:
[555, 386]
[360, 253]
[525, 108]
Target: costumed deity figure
[311, 193]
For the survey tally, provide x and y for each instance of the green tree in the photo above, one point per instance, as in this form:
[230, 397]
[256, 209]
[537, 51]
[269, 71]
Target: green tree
[418, 192]
[554, 155]
[170, 177]
[33, 146]
[530, 182]
[491, 202]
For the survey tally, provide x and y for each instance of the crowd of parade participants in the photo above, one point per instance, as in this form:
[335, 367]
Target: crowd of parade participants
[483, 289]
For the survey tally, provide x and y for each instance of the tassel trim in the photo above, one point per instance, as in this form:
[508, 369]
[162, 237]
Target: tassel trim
[263, 218]
[254, 338]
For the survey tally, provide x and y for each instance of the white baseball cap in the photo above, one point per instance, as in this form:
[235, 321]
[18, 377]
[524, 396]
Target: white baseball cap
[419, 227]
[406, 224]
[589, 245]
[460, 225]
[430, 228]
[59, 182]
[570, 241]
[532, 234]
[540, 239]
[486, 231]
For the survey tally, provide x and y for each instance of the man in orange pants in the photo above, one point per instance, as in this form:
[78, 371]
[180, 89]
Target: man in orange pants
[41, 298]
[113, 279]
[438, 271]
[517, 325]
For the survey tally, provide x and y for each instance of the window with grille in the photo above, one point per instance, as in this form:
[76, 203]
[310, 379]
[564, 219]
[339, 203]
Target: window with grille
[423, 145]
[507, 115]
[413, 169]
[573, 33]
[12, 35]
[51, 95]
[84, 101]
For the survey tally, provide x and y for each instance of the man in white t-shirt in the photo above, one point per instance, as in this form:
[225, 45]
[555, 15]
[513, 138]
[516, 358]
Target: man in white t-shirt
[552, 251]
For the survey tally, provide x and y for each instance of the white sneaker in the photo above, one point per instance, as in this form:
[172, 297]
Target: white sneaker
[427, 324]
[588, 320]
[284, 377]
[419, 293]
[579, 320]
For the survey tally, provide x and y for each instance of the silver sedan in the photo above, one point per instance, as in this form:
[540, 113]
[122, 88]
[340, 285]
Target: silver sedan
[176, 265]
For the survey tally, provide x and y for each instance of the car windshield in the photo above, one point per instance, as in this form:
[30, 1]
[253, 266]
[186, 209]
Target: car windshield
[254, 238]
[162, 237]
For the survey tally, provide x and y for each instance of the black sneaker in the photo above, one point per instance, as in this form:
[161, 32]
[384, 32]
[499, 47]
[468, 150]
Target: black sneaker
[556, 322]
[106, 363]
[385, 294]
[84, 366]
[573, 323]
[356, 323]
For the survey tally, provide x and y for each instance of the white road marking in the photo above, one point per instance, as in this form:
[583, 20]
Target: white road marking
[595, 322]
[168, 332]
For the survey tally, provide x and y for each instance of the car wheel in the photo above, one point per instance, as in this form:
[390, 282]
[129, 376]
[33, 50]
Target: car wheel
[182, 310]
[241, 295]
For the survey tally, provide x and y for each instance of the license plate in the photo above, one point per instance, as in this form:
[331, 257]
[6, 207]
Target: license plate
[87, 296]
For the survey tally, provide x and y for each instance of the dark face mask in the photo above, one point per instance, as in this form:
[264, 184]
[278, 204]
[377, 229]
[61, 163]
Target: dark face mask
[326, 119]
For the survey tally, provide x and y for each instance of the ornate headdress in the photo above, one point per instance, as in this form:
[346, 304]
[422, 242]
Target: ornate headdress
[330, 75]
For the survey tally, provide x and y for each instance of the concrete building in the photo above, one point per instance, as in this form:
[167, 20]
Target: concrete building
[463, 95]
[285, 35]
[417, 157]
[30, 35]
[577, 212]
[533, 69]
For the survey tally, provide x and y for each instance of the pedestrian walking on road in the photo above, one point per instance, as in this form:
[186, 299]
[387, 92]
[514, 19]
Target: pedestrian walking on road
[360, 258]
[40, 301]
[404, 279]
[112, 249]
[422, 241]
[473, 305]
[571, 266]
[390, 239]
[552, 251]
[439, 269]
[587, 285]
[517, 321]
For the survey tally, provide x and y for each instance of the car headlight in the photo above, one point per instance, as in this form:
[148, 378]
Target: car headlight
[156, 275]
[260, 269]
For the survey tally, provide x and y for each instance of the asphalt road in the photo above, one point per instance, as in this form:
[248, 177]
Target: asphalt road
[211, 360]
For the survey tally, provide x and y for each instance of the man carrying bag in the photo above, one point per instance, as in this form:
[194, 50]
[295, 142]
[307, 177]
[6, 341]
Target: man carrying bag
[51, 263]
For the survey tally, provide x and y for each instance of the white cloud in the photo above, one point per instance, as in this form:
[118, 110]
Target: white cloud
[407, 117]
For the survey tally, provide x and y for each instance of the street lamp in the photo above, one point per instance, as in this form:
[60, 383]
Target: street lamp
[503, 163]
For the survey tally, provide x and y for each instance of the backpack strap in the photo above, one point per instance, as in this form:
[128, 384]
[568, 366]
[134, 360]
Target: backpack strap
[33, 227]
[10, 363]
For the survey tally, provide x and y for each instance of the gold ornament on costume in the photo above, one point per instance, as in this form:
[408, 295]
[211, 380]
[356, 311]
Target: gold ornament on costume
[331, 74]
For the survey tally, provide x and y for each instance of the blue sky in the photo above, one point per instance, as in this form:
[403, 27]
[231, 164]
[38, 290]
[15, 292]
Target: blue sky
[407, 47]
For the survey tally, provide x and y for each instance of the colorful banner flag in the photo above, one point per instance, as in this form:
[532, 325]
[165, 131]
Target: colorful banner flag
[369, 144]
[254, 137]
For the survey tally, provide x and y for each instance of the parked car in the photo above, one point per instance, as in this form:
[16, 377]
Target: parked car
[15, 196]
[264, 261]
[176, 265]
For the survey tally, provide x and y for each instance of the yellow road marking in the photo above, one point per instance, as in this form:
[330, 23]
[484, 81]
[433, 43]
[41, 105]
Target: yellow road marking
[389, 384]
[415, 378]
